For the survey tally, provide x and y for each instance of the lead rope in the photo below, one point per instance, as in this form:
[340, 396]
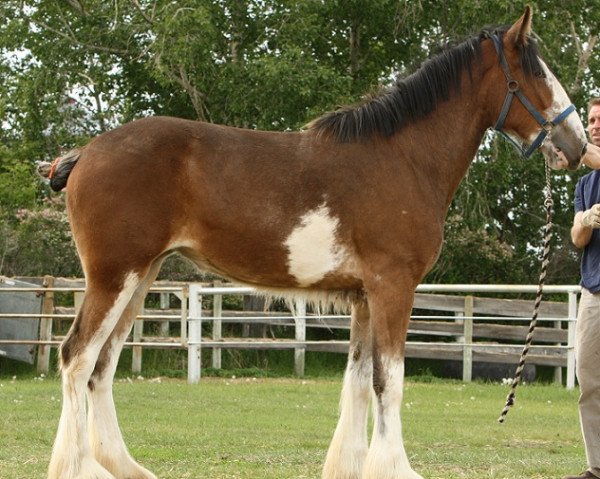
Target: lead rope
[548, 203]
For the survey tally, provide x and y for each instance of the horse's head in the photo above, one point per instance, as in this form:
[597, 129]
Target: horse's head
[533, 111]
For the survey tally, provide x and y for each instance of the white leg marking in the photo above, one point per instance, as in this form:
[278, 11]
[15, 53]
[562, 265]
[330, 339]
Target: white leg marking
[71, 455]
[348, 448]
[313, 250]
[387, 458]
[106, 439]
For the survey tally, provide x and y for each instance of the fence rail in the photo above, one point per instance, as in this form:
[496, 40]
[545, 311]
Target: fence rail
[559, 355]
[471, 329]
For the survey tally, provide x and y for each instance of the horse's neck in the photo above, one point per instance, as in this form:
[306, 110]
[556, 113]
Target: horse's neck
[449, 141]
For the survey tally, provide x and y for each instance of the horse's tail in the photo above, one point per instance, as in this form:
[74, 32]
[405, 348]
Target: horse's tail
[59, 170]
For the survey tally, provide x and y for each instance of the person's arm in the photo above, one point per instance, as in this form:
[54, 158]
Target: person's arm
[581, 234]
[592, 156]
[587, 218]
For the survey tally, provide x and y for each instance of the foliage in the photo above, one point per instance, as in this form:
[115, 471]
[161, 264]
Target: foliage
[71, 70]
[41, 241]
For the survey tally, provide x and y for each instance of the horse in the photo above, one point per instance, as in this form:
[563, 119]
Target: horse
[352, 208]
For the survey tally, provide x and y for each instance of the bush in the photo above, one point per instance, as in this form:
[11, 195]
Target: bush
[39, 242]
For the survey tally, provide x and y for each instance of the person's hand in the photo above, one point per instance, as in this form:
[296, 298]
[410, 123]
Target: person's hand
[591, 217]
[561, 162]
[592, 156]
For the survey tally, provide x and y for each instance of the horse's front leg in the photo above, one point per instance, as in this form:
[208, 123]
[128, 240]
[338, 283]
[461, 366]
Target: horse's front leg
[390, 304]
[349, 445]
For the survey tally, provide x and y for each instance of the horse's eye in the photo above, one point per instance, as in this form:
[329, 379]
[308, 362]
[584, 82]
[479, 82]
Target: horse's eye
[540, 74]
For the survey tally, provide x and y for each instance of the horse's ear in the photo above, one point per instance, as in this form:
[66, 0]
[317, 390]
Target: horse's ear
[519, 33]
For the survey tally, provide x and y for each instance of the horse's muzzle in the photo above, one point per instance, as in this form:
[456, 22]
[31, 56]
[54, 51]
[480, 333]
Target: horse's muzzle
[572, 145]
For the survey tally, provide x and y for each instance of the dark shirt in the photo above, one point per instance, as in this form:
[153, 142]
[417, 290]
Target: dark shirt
[587, 194]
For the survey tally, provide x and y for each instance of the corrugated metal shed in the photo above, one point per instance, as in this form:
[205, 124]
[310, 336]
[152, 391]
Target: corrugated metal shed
[19, 328]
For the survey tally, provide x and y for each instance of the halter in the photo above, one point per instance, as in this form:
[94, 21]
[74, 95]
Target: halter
[514, 89]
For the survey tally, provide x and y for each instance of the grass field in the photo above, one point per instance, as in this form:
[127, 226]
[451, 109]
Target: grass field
[280, 428]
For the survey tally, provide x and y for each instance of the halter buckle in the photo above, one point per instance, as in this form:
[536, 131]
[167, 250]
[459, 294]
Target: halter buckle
[512, 85]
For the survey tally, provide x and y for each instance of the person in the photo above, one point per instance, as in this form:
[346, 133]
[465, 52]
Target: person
[585, 234]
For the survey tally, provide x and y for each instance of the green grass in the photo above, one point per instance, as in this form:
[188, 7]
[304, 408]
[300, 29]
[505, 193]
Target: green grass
[280, 428]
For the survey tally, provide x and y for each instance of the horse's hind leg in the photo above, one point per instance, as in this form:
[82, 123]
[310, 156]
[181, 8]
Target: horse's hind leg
[106, 299]
[106, 439]
[348, 447]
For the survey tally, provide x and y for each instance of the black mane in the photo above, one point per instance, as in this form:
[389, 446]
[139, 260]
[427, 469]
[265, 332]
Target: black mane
[417, 95]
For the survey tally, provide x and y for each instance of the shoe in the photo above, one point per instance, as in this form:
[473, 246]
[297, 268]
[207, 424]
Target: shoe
[583, 475]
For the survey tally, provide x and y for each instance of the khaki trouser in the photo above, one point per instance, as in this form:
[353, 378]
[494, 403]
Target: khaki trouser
[587, 353]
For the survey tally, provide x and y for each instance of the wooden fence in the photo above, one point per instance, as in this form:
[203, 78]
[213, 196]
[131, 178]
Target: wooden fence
[51, 314]
[479, 328]
[474, 318]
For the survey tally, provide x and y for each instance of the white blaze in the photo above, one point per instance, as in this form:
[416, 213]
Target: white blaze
[313, 250]
[560, 102]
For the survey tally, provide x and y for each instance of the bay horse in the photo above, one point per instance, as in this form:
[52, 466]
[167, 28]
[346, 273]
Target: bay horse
[352, 207]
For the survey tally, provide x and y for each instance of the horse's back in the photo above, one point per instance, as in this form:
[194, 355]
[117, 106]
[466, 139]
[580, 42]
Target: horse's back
[226, 197]
[268, 208]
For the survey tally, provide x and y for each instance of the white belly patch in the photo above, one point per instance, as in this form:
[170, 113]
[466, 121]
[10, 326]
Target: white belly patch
[313, 250]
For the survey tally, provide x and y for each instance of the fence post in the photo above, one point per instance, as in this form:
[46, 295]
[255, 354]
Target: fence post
[300, 321]
[195, 334]
[164, 325]
[43, 359]
[468, 340]
[78, 300]
[185, 294]
[217, 329]
[136, 356]
[558, 370]
[571, 340]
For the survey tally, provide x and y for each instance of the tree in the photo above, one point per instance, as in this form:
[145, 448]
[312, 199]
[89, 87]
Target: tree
[70, 70]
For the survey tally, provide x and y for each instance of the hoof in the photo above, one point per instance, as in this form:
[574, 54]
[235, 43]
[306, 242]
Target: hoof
[89, 469]
[126, 468]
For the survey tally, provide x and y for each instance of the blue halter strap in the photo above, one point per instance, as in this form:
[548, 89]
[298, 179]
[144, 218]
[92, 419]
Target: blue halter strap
[514, 89]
